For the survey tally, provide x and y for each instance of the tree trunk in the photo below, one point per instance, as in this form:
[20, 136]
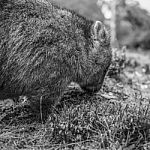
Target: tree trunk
[114, 41]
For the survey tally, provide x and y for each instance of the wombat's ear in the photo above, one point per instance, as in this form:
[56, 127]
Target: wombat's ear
[99, 31]
[96, 29]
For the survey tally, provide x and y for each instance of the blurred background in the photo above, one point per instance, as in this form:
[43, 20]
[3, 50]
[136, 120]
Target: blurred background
[129, 20]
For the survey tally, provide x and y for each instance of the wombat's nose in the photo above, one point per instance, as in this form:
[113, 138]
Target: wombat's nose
[91, 89]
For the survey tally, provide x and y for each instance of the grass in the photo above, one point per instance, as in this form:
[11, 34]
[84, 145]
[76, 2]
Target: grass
[116, 118]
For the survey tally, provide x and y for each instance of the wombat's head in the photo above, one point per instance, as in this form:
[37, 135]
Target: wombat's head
[99, 58]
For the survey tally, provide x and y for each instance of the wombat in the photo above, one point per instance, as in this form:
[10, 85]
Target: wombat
[43, 48]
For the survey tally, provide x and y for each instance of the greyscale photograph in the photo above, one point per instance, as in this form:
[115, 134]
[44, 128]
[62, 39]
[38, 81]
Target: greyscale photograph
[74, 74]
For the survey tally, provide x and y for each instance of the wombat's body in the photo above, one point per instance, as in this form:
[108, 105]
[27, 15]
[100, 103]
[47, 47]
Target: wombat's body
[43, 48]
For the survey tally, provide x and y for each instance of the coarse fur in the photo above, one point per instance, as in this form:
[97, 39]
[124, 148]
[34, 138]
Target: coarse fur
[44, 47]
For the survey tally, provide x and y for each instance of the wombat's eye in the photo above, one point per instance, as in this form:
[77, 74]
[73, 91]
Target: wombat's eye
[62, 16]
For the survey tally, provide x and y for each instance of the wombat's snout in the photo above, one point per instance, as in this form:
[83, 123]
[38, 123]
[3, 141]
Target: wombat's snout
[91, 89]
